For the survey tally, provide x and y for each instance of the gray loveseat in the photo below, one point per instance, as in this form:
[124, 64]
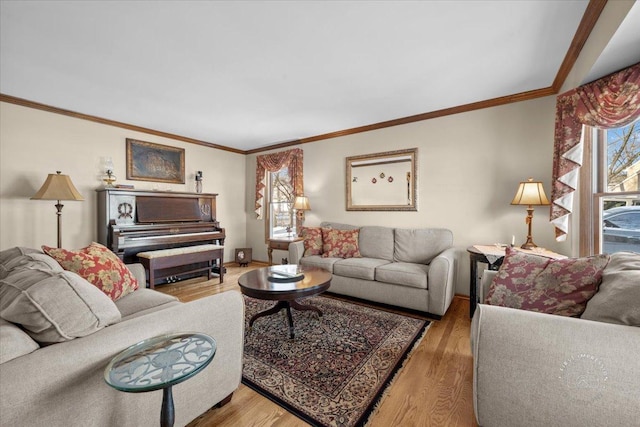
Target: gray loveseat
[62, 384]
[535, 369]
[410, 268]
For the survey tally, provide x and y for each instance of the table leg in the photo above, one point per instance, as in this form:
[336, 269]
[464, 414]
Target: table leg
[291, 334]
[276, 308]
[167, 414]
[300, 307]
[473, 286]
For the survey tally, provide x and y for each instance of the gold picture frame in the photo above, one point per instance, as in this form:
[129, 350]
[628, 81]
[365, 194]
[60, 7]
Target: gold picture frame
[382, 181]
[147, 161]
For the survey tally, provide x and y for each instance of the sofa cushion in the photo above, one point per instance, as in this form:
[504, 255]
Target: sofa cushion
[376, 242]
[537, 283]
[340, 243]
[618, 298]
[142, 299]
[312, 240]
[14, 342]
[54, 306]
[36, 260]
[358, 268]
[319, 262]
[403, 273]
[97, 264]
[11, 258]
[421, 245]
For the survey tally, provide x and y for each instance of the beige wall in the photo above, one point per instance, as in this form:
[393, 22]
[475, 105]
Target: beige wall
[469, 166]
[34, 143]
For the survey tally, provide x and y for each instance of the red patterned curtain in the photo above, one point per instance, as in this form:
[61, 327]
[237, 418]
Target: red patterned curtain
[612, 101]
[273, 163]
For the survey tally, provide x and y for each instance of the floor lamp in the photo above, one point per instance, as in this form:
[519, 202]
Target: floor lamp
[530, 193]
[58, 187]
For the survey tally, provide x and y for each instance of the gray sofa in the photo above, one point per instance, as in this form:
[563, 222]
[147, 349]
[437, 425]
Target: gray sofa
[410, 268]
[535, 369]
[62, 384]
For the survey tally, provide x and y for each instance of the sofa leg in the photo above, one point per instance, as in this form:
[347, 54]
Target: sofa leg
[224, 401]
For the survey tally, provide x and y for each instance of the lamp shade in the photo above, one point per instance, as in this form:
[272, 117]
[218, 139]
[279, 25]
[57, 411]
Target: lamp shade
[58, 187]
[530, 193]
[301, 203]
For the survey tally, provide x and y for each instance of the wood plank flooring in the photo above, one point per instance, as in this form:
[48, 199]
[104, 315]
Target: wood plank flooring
[433, 389]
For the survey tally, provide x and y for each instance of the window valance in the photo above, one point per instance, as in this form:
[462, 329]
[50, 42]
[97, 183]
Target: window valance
[272, 163]
[610, 102]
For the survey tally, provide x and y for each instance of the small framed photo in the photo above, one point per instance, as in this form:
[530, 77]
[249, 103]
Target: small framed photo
[147, 161]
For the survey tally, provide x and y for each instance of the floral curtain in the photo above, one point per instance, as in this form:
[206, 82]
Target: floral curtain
[273, 163]
[613, 101]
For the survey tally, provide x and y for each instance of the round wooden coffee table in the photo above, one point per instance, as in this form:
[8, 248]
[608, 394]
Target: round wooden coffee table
[272, 283]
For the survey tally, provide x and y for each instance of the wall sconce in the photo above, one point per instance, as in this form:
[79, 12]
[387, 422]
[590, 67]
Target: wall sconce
[300, 204]
[530, 193]
[58, 187]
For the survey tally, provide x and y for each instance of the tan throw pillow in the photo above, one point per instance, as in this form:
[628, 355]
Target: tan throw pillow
[618, 299]
[97, 264]
[54, 306]
[536, 283]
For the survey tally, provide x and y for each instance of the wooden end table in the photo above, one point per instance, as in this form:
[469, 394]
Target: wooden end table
[258, 284]
[279, 243]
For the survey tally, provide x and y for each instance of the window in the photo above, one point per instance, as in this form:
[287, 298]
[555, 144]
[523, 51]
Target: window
[610, 216]
[281, 221]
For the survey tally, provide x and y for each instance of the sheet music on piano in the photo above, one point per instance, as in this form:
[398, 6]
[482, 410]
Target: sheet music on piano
[132, 221]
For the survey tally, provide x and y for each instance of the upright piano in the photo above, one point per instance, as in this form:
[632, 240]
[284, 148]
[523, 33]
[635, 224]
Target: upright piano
[133, 221]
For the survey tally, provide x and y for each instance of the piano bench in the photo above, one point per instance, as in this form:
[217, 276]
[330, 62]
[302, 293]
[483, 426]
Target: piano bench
[178, 257]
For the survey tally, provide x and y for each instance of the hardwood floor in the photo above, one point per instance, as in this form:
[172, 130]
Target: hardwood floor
[433, 389]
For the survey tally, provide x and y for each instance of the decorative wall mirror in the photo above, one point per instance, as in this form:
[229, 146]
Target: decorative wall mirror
[382, 181]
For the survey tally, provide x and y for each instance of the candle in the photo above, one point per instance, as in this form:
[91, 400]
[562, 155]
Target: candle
[513, 240]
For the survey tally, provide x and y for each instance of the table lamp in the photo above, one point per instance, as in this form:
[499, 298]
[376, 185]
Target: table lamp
[300, 204]
[58, 187]
[530, 193]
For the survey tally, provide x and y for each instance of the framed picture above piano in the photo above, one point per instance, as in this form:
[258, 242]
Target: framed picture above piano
[147, 161]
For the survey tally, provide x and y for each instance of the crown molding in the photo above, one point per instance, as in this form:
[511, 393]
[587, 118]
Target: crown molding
[588, 21]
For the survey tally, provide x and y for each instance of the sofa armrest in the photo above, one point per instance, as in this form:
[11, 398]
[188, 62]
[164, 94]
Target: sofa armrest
[296, 250]
[441, 280]
[541, 369]
[139, 273]
[39, 388]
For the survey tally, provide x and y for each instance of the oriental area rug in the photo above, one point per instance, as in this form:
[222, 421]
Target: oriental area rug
[336, 369]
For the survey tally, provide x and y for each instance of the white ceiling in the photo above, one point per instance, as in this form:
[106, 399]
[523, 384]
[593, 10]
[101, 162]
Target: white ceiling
[250, 74]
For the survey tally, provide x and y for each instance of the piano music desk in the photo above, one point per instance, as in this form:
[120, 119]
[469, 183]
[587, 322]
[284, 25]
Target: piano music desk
[177, 257]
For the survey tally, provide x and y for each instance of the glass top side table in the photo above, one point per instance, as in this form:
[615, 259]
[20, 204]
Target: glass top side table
[159, 363]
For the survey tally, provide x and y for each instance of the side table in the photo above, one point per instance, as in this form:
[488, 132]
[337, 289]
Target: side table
[483, 254]
[159, 363]
[279, 243]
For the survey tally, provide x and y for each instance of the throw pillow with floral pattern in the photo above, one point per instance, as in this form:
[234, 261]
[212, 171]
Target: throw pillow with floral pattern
[554, 286]
[99, 266]
[340, 243]
[312, 240]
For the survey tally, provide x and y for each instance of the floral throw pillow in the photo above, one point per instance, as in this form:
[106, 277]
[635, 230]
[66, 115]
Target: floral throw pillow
[312, 240]
[340, 243]
[537, 283]
[99, 266]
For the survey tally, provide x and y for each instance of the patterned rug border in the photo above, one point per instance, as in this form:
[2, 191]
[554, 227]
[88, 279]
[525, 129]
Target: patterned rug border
[374, 405]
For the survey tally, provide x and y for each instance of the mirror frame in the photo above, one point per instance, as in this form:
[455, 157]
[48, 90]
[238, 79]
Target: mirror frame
[382, 158]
